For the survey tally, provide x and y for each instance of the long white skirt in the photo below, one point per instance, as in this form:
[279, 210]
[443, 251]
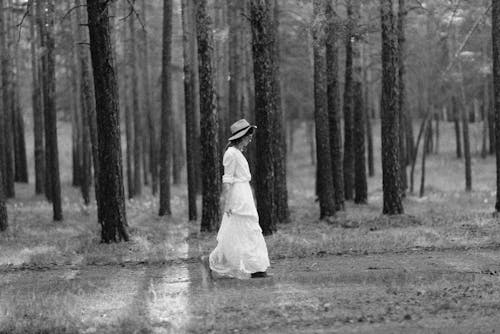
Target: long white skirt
[241, 248]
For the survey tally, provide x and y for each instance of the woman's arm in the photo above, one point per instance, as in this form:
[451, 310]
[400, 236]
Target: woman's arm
[225, 198]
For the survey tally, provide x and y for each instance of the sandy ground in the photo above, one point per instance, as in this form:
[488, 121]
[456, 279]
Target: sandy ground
[452, 291]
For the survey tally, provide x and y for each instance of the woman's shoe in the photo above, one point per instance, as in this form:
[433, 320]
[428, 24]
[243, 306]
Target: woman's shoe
[259, 274]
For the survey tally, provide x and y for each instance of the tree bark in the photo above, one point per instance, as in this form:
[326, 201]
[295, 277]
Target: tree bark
[367, 98]
[79, 175]
[51, 112]
[3, 208]
[221, 74]
[166, 116]
[280, 185]
[89, 149]
[151, 138]
[491, 117]
[348, 108]
[20, 159]
[357, 109]
[334, 112]
[428, 132]
[403, 110]
[137, 112]
[465, 130]
[4, 221]
[324, 175]
[129, 125]
[38, 125]
[43, 75]
[166, 140]
[189, 41]
[360, 182]
[390, 116]
[265, 77]
[110, 201]
[7, 132]
[456, 121]
[235, 21]
[410, 140]
[177, 136]
[369, 143]
[210, 162]
[423, 128]
[495, 37]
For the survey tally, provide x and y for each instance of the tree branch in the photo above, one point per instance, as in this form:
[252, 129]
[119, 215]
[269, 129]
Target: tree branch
[70, 10]
[464, 42]
[135, 12]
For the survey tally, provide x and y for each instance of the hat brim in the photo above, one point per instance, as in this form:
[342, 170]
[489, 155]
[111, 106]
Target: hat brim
[242, 133]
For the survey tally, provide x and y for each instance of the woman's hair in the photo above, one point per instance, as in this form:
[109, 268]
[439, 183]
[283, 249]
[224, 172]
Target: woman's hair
[236, 141]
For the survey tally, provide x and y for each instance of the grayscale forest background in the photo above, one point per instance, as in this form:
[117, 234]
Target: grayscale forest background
[376, 136]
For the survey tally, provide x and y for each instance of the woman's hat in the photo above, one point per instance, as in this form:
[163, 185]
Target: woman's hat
[240, 128]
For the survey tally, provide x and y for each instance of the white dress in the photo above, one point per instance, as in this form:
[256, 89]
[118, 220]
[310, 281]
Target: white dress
[241, 248]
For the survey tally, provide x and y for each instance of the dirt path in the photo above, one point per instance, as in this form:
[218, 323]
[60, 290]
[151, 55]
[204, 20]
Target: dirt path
[449, 292]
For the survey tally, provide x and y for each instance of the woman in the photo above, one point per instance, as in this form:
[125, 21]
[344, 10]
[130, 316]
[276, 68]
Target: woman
[241, 250]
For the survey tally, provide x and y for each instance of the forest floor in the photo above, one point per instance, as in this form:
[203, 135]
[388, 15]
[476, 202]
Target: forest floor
[434, 269]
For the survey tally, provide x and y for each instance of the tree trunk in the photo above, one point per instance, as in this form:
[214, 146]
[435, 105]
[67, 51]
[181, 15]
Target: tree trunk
[324, 175]
[390, 116]
[51, 113]
[89, 150]
[437, 134]
[8, 156]
[265, 77]
[235, 20]
[430, 139]
[428, 132]
[495, 37]
[41, 9]
[348, 107]
[220, 69]
[367, 97]
[79, 175]
[334, 112]
[465, 129]
[357, 109]
[369, 139]
[129, 125]
[21, 158]
[210, 162]
[410, 146]
[280, 186]
[456, 121]
[311, 142]
[491, 117]
[3, 208]
[485, 111]
[4, 221]
[403, 110]
[166, 115]
[360, 182]
[38, 125]
[21, 161]
[423, 128]
[189, 41]
[110, 200]
[137, 112]
[151, 138]
[177, 136]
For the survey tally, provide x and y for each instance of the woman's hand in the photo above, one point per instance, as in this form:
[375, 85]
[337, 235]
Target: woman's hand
[225, 199]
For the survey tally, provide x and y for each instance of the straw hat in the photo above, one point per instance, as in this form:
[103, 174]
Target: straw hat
[240, 128]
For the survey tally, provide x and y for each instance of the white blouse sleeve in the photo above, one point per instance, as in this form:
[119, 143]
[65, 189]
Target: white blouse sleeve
[229, 162]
